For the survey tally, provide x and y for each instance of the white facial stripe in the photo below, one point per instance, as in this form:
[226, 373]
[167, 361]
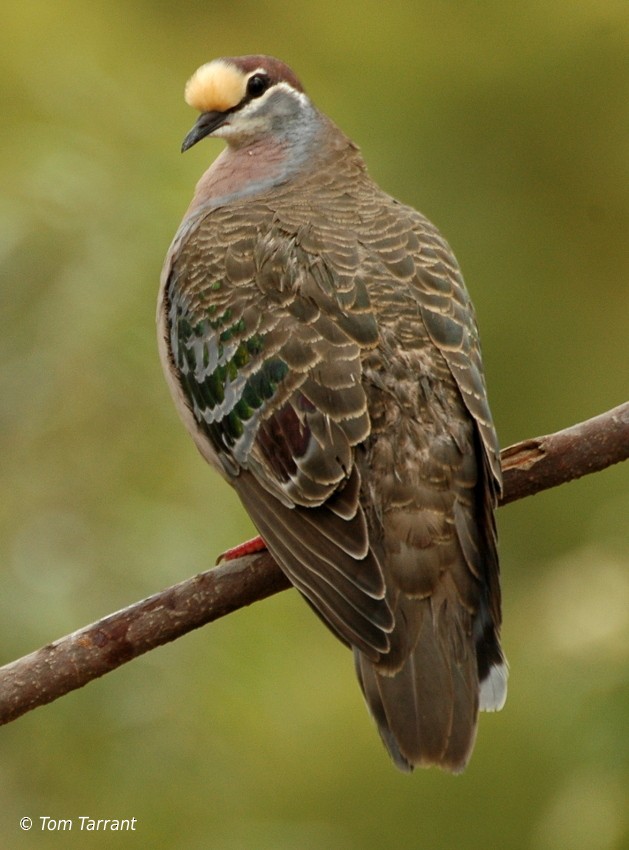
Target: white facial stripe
[255, 104]
[253, 117]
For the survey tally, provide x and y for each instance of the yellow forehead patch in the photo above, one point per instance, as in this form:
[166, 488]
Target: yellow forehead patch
[216, 87]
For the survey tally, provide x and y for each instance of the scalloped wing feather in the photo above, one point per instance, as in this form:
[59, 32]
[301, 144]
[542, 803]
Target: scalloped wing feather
[328, 363]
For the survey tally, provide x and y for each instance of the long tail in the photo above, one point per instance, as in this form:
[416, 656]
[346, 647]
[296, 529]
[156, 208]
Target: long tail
[427, 711]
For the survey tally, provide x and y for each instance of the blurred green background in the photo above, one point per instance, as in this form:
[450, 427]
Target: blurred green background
[508, 125]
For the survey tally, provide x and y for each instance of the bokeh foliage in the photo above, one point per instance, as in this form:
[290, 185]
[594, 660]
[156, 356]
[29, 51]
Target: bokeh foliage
[508, 125]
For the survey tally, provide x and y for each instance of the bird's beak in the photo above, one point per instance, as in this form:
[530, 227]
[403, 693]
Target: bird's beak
[206, 123]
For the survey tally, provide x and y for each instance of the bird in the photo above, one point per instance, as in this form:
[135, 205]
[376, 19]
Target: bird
[322, 350]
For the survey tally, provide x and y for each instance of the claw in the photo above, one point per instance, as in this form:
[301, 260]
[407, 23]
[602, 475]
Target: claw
[249, 547]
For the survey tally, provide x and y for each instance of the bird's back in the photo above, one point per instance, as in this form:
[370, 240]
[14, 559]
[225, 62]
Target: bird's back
[327, 362]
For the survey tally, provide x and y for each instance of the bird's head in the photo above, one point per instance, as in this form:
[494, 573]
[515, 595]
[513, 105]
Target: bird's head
[244, 98]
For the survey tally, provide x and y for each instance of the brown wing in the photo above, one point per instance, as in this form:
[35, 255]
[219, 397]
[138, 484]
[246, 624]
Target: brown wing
[267, 342]
[362, 448]
[433, 457]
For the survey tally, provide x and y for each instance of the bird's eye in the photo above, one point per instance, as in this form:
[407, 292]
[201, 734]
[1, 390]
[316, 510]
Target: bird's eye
[257, 85]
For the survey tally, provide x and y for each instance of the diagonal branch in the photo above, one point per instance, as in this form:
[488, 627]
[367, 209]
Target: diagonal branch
[73, 661]
[544, 462]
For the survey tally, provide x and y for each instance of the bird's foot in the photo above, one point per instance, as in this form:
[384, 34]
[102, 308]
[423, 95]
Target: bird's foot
[249, 547]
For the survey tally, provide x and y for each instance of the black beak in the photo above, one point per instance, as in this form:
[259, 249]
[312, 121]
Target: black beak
[206, 123]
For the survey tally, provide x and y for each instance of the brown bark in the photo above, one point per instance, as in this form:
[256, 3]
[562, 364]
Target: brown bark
[73, 661]
[544, 462]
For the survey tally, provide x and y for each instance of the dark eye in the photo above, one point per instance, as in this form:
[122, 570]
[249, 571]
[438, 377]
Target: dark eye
[257, 85]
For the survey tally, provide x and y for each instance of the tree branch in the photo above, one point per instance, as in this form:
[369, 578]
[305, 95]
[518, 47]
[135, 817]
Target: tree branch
[544, 462]
[73, 661]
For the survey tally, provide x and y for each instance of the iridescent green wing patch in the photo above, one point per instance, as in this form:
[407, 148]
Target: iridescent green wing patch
[226, 372]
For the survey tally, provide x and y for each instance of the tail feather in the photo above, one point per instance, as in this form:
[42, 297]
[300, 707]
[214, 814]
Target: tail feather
[493, 689]
[427, 711]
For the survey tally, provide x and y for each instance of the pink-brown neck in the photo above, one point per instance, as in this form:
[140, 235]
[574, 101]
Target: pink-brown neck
[242, 171]
[269, 159]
